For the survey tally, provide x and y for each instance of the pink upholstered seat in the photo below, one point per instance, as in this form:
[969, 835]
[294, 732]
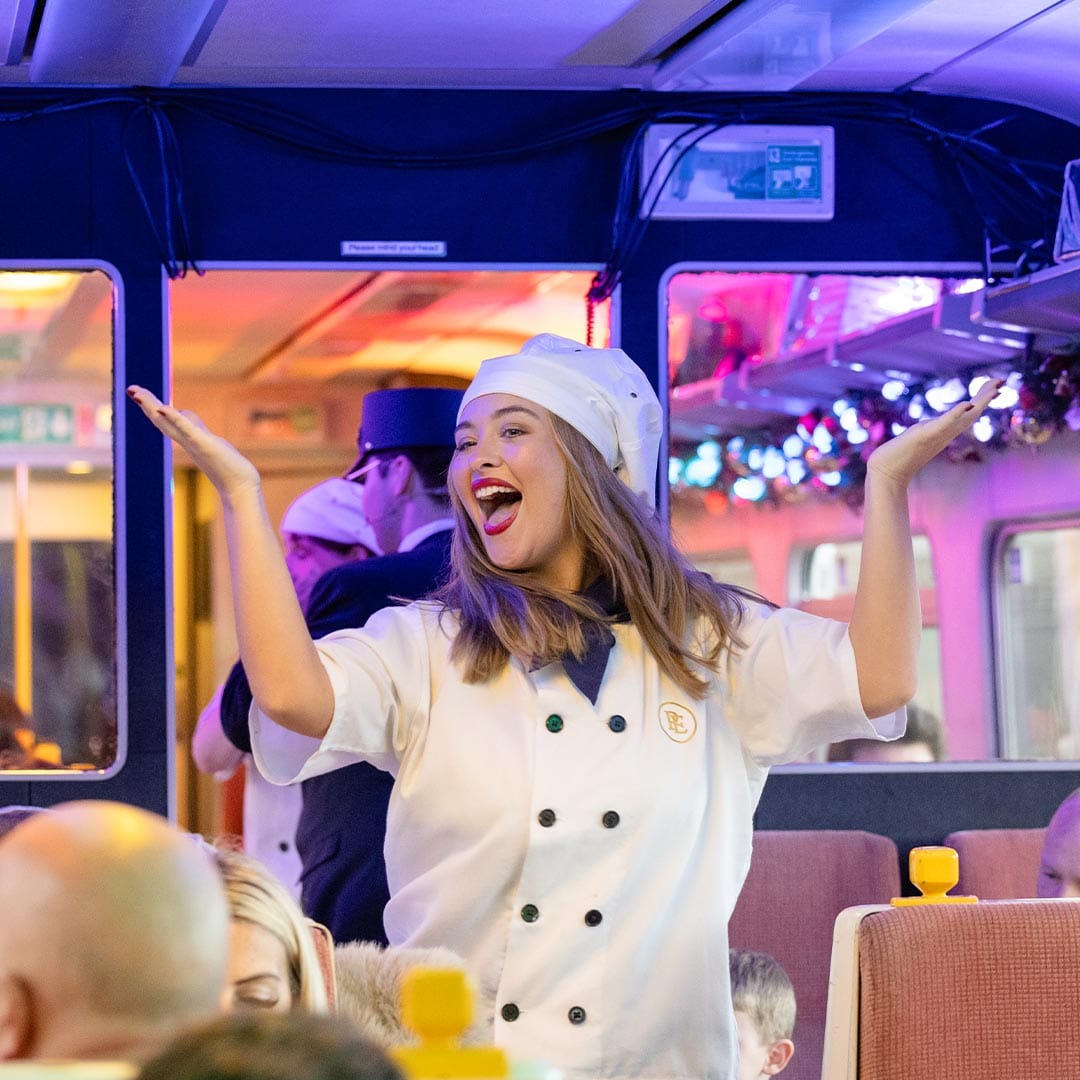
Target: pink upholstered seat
[998, 864]
[987, 990]
[797, 884]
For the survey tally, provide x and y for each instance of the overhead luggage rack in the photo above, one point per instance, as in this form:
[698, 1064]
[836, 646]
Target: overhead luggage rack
[1046, 301]
[711, 407]
[933, 343]
[929, 344]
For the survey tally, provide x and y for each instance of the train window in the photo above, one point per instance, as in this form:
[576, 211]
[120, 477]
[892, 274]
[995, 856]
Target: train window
[1037, 638]
[832, 569]
[58, 695]
[729, 568]
[826, 576]
[779, 382]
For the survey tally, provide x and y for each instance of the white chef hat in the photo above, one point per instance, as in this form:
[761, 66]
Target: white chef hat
[332, 510]
[600, 392]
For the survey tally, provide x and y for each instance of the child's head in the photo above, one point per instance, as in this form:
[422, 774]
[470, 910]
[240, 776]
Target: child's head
[764, 1002]
[1059, 867]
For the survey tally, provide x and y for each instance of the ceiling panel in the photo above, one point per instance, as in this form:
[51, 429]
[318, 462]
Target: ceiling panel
[297, 325]
[247, 327]
[125, 44]
[225, 322]
[403, 33]
[645, 31]
[1037, 64]
[922, 42]
[77, 343]
[14, 21]
[946, 46]
[771, 45]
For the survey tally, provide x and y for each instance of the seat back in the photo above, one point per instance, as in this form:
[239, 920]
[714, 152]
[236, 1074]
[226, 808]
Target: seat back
[980, 990]
[324, 949]
[998, 864]
[798, 883]
[68, 1070]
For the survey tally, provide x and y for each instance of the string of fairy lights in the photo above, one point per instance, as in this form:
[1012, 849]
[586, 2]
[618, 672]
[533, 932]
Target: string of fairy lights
[824, 452]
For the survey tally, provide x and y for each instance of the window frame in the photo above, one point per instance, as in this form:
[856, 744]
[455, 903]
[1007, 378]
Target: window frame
[118, 399]
[1002, 534]
[950, 268]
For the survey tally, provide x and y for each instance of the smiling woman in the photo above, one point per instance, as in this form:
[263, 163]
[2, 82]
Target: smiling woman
[509, 476]
[579, 724]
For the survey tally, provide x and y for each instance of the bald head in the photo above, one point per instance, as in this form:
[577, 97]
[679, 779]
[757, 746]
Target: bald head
[10, 816]
[1059, 868]
[115, 927]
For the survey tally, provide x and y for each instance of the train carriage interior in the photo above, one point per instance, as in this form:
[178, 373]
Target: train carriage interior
[811, 222]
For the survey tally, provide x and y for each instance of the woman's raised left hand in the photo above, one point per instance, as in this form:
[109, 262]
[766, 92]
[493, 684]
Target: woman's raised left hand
[901, 458]
[224, 466]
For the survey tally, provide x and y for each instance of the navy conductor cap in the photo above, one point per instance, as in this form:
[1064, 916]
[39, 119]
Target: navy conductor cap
[412, 417]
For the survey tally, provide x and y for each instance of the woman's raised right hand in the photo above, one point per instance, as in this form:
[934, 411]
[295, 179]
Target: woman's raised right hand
[223, 465]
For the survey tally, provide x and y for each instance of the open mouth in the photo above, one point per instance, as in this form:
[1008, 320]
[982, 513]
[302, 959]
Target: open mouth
[498, 502]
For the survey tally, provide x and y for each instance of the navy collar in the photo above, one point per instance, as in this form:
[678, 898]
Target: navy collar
[588, 673]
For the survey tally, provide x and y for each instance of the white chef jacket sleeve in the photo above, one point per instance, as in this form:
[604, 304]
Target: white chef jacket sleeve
[210, 748]
[794, 687]
[380, 678]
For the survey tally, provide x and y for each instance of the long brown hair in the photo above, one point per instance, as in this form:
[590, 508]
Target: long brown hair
[507, 613]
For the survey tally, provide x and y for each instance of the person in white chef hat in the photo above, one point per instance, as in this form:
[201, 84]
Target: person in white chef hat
[579, 723]
[325, 527]
[322, 528]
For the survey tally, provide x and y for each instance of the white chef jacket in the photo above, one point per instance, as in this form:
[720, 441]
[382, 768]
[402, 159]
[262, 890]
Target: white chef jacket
[584, 860]
[271, 812]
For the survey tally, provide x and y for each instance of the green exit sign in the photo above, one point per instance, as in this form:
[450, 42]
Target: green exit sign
[36, 425]
[11, 348]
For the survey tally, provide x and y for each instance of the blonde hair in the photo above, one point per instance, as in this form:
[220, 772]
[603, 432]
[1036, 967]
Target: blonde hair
[511, 613]
[761, 989]
[256, 896]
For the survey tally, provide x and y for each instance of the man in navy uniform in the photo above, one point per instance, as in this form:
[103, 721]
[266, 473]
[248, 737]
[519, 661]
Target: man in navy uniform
[406, 440]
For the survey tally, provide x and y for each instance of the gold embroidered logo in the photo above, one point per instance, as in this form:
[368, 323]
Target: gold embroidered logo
[677, 722]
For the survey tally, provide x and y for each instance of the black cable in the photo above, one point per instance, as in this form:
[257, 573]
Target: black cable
[172, 236]
[330, 144]
[1005, 191]
[604, 284]
[982, 169]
